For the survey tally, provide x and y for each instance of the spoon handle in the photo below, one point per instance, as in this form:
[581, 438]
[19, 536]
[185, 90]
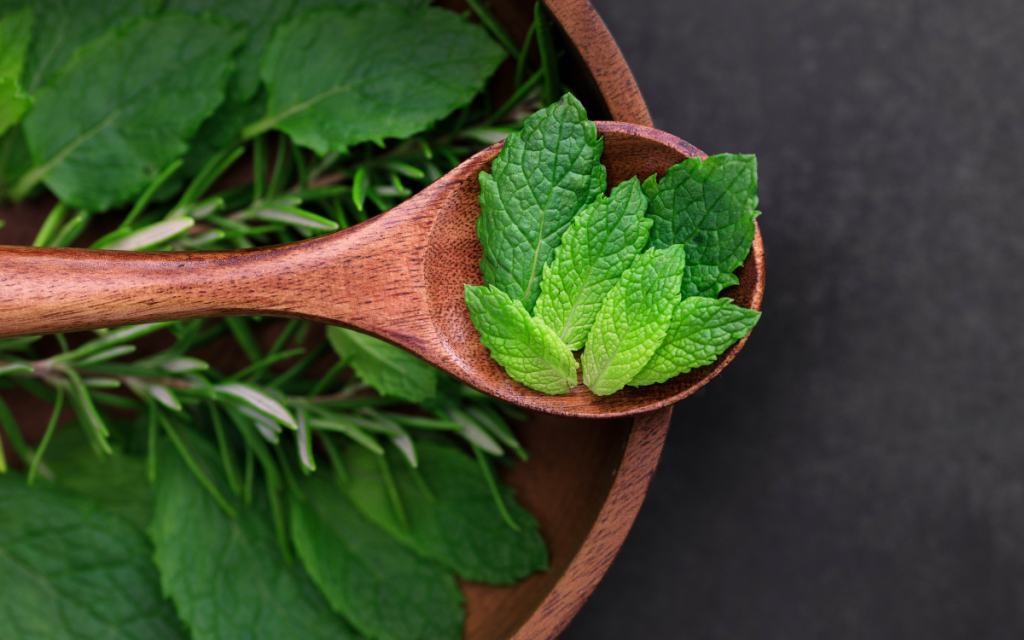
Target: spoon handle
[368, 277]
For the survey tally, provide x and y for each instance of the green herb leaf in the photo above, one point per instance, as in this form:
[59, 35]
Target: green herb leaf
[451, 513]
[15, 35]
[601, 244]
[226, 576]
[71, 570]
[542, 178]
[385, 590]
[385, 367]
[701, 330]
[64, 25]
[159, 78]
[404, 71]
[633, 320]
[528, 349]
[709, 208]
[116, 482]
[259, 400]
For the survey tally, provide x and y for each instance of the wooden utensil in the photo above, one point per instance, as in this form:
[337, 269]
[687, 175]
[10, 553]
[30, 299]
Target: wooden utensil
[398, 276]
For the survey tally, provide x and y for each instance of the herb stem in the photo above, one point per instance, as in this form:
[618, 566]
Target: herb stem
[51, 427]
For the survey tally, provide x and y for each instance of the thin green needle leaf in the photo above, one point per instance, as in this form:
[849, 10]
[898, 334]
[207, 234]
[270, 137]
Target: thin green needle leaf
[344, 427]
[548, 56]
[153, 431]
[360, 187]
[51, 427]
[492, 484]
[242, 332]
[115, 337]
[264, 363]
[258, 400]
[7, 368]
[524, 53]
[340, 474]
[71, 229]
[10, 426]
[152, 235]
[259, 166]
[226, 456]
[54, 221]
[147, 195]
[107, 354]
[304, 442]
[489, 20]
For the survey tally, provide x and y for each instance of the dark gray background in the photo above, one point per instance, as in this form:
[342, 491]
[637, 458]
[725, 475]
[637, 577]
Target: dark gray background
[858, 472]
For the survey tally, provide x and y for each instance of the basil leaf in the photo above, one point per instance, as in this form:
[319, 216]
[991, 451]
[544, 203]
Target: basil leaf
[394, 73]
[451, 514]
[226, 576]
[633, 320]
[601, 244]
[538, 183]
[701, 330]
[385, 590]
[709, 208]
[385, 367]
[124, 106]
[69, 570]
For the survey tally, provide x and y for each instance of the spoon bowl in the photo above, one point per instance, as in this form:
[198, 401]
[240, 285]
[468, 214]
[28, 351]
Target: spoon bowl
[398, 276]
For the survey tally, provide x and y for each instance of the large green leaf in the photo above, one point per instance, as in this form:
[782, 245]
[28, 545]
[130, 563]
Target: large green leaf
[116, 482]
[452, 517]
[709, 208]
[64, 25]
[538, 183]
[15, 35]
[339, 78]
[124, 107]
[598, 247]
[68, 570]
[384, 589]
[633, 320]
[227, 577]
[385, 367]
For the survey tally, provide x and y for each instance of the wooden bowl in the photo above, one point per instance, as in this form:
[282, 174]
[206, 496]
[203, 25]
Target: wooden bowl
[586, 479]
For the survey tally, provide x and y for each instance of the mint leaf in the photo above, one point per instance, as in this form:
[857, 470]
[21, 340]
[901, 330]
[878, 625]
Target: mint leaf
[64, 25]
[69, 570]
[709, 208]
[452, 517]
[701, 330]
[226, 576]
[633, 320]
[116, 482]
[385, 590]
[385, 367]
[302, 6]
[538, 183]
[530, 352]
[15, 36]
[124, 107]
[396, 73]
[13, 103]
[601, 244]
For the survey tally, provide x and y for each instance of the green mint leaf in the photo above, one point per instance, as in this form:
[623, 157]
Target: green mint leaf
[116, 482]
[709, 208]
[451, 513]
[599, 246]
[385, 590]
[701, 330]
[703, 281]
[633, 320]
[538, 183]
[530, 351]
[385, 367]
[69, 570]
[403, 71]
[226, 576]
[159, 78]
[14, 103]
[64, 25]
[15, 36]
[304, 6]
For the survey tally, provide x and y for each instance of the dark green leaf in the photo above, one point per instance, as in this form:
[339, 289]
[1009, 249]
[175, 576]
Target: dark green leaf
[69, 570]
[385, 367]
[226, 576]
[709, 208]
[124, 107]
[402, 72]
[452, 515]
[384, 589]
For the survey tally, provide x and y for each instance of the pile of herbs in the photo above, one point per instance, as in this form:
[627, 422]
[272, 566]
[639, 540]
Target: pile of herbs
[182, 499]
[632, 278]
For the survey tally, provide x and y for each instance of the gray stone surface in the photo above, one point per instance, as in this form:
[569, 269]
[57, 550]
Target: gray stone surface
[858, 472]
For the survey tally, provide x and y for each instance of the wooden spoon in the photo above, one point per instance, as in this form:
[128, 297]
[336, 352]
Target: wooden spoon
[398, 276]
